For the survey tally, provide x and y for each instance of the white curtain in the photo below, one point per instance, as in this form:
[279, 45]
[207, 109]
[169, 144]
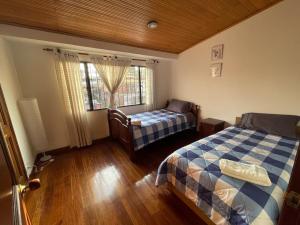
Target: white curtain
[150, 85]
[112, 72]
[67, 66]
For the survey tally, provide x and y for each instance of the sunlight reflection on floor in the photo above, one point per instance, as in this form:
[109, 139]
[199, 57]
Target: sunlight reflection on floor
[105, 183]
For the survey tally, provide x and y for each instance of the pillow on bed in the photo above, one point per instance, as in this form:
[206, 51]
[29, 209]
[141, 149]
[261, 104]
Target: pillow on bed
[179, 106]
[282, 125]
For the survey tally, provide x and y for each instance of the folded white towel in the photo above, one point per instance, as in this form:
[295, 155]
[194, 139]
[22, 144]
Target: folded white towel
[136, 123]
[251, 173]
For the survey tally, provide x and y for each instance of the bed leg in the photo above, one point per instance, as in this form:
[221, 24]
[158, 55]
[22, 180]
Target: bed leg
[109, 122]
[132, 153]
[132, 156]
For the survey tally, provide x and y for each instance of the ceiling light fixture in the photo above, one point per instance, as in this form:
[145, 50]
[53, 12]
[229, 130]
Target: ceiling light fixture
[152, 24]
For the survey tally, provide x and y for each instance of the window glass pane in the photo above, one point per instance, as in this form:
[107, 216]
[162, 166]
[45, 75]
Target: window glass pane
[84, 86]
[129, 92]
[99, 93]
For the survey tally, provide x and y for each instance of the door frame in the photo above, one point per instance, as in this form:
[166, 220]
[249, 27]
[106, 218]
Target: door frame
[13, 155]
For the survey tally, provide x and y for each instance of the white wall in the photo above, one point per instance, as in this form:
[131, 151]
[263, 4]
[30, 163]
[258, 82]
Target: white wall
[36, 74]
[261, 67]
[82, 44]
[37, 77]
[12, 92]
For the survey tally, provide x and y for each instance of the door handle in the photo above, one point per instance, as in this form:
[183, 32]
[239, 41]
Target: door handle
[31, 185]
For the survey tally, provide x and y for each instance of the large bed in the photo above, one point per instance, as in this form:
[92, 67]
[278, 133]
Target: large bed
[155, 125]
[193, 174]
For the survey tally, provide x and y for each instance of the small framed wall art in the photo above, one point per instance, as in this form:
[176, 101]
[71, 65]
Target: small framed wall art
[217, 52]
[216, 69]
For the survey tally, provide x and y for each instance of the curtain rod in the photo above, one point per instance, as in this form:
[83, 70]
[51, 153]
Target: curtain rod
[82, 53]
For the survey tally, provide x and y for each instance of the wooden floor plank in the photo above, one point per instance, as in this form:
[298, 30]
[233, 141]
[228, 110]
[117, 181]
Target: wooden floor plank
[100, 185]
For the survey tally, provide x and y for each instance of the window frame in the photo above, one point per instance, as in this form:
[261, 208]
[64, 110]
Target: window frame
[89, 90]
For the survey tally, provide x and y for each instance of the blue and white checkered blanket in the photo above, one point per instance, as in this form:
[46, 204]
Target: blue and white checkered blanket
[194, 171]
[158, 124]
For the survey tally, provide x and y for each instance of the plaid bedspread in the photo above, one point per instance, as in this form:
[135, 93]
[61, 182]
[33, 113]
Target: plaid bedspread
[158, 124]
[194, 171]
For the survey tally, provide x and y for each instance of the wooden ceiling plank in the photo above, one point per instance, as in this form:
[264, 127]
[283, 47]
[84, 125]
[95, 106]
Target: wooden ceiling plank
[182, 24]
[139, 22]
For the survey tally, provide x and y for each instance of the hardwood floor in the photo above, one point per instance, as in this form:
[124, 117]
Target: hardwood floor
[100, 185]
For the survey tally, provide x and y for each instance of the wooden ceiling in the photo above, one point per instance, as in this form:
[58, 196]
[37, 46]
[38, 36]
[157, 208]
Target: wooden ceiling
[182, 23]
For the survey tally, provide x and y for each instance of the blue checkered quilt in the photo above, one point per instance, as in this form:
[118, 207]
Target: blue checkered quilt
[194, 171]
[158, 124]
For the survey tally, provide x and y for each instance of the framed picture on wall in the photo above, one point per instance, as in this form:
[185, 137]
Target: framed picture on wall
[216, 69]
[217, 52]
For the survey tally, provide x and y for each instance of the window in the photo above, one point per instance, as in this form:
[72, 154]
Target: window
[131, 92]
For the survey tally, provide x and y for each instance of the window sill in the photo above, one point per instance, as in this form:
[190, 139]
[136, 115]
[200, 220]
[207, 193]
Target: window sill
[93, 110]
[122, 106]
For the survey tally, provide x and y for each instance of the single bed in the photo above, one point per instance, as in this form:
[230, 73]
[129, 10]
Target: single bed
[193, 174]
[155, 125]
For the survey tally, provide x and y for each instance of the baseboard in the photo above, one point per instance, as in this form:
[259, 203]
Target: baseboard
[62, 150]
[56, 151]
[101, 140]
[66, 149]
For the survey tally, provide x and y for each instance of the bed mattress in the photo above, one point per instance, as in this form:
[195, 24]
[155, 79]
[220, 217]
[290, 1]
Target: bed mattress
[159, 124]
[194, 171]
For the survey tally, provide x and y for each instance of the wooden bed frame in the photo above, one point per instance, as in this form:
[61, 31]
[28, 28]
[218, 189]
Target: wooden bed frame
[121, 129]
[290, 211]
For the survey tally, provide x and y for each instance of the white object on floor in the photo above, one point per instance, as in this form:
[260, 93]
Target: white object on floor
[251, 173]
[45, 157]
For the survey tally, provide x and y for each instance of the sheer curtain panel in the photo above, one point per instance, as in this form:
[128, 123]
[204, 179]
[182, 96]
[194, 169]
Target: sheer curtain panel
[112, 72]
[67, 66]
